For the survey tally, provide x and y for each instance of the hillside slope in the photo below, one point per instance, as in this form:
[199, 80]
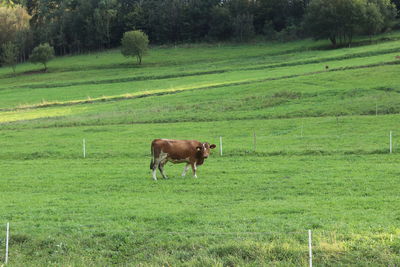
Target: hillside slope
[260, 81]
[305, 133]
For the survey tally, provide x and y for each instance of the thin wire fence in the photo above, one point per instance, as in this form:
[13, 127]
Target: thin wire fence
[371, 143]
[305, 241]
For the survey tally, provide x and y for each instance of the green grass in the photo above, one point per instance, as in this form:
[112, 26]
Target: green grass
[321, 159]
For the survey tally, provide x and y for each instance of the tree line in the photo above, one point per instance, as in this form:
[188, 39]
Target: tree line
[75, 26]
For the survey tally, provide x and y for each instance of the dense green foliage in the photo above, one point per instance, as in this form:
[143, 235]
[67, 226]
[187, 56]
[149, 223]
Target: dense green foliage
[320, 160]
[42, 54]
[88, 25]
[9, 55]
[13, 21]
[134, 44]
[340, 20]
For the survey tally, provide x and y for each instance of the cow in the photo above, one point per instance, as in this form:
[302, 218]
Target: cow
[191, 152]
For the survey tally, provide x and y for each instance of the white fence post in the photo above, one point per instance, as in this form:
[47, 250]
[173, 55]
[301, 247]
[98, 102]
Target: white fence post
[310, 247]
[255, 141]
[302, 126]
[84, 148]
[391, 143]
[7, 238]
[220, 145]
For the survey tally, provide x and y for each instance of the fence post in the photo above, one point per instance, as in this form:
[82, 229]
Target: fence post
[220, 145]
[390, 143]
[7, 238]
[255, 141]
[310, 247]
[84, 148]
[302, 126]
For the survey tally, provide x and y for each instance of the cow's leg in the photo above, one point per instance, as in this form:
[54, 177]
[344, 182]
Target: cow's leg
[155, 161]
[154, 169]
[154, 174]
[161, 168]
[185, 170]
[194, 168]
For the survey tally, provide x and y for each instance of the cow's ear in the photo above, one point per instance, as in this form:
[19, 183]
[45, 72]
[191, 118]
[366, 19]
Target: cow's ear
[213, 146]
[198, 148]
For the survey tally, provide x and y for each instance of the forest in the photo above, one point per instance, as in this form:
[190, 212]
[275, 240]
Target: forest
[77, 26]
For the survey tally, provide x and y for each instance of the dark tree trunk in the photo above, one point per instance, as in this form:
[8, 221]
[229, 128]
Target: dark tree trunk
[333, 41]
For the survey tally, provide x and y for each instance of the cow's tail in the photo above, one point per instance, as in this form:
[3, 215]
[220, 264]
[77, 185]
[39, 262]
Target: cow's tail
[152, 157]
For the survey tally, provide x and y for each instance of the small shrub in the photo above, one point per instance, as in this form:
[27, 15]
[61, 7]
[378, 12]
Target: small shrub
[42, 54]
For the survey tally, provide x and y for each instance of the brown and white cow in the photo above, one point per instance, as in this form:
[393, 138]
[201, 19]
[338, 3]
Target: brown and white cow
[191, 152]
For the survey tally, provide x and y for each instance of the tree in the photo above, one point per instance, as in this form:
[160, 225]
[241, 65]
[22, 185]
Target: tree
[397, 5]
[243, 27]
[339, 20]
[336, 20]
[220, 23]
[374, 21]
[42, 54]
[388, 11]
[135, 44]
[103, 16]
[9, 55]
[13, 19]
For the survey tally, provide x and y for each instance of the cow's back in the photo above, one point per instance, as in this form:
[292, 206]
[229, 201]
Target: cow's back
[176, 149]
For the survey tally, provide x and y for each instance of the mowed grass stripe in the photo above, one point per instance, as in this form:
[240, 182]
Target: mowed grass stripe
[226, 58]
[11, 98]
[355, 92]
[175, 91]
[178, 75]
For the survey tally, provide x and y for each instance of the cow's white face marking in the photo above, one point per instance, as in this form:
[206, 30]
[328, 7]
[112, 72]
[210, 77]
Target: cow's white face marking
[206, 151]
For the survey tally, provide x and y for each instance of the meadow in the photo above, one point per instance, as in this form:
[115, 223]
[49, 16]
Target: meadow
[321, 158]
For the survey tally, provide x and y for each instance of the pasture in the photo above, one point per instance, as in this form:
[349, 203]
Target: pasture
[321, 159]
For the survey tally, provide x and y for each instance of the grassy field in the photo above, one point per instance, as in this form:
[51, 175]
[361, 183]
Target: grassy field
[321, 159]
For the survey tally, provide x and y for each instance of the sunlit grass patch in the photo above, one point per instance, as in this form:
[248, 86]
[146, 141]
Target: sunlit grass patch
[28, 114]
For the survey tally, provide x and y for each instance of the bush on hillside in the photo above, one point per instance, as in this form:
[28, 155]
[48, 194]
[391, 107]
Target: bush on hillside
[42, 54]
[135, 44]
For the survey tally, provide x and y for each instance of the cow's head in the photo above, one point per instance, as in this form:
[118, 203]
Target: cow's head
[203, 151]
